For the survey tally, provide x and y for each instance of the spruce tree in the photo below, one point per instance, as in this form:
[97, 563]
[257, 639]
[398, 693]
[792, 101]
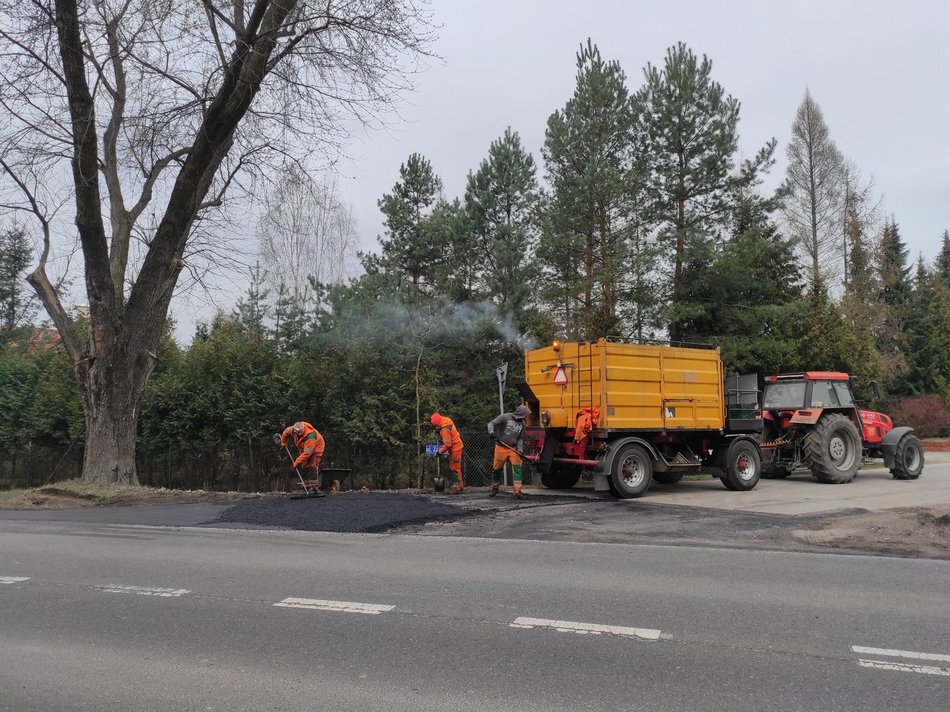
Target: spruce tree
[928, 333]
[251, 310]
[894, 294]
[943, 258]
[16, 302]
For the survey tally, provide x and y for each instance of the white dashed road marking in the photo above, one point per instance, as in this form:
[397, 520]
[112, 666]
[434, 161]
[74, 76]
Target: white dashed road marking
[145, 590]
[13, 579]
[315, 604]
[586, 628]
[901, 666]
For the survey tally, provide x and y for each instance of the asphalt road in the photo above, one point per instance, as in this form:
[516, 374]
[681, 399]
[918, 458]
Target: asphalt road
[105, 617]
[701, 513]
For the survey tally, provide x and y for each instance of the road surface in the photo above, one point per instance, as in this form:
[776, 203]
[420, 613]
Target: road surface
[106, 617]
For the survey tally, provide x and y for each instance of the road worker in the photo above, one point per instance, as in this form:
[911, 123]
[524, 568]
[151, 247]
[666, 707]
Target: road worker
[310, 445]
[508, 431]
[451, 445]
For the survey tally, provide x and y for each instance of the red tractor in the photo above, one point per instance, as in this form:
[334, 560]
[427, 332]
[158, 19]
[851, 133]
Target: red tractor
[811, 420]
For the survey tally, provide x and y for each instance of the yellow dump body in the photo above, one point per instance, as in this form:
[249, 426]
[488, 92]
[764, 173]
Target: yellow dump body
[634, 386]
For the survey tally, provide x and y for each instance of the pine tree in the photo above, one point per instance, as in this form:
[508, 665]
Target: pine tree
[407, 254]
[589, 153]
[816, 176]
[691, 129]
[501, 202]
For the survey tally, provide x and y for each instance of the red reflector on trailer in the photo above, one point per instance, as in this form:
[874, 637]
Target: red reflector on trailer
[560, 378]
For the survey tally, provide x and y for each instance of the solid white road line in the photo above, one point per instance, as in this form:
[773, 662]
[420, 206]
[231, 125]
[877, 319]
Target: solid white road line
[14, 579]
[315, 604]
[144, 590]
[585, 628]
[900, 653]
[904, 667]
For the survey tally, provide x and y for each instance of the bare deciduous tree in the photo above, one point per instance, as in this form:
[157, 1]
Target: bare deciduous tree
[816, 177]
[170, 107]
[306, 232]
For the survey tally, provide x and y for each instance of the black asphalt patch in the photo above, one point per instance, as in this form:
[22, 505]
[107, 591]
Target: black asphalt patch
[351, 512]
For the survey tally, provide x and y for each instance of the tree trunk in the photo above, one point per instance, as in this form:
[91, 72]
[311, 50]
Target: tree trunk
[112, 411]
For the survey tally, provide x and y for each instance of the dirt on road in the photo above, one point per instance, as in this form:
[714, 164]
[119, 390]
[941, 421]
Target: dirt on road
[910, 532]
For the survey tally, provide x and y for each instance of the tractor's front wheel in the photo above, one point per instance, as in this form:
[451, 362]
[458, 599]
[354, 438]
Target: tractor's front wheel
[908, 459]
[833, 448]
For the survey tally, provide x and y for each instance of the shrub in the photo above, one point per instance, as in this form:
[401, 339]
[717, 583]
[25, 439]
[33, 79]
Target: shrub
[927, 415]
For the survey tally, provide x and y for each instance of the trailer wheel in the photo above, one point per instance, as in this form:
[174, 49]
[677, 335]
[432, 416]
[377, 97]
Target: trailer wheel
[834, 449]
[561, 476]
[632, 471]
[743, 466]
[908, 459]
[667, 478]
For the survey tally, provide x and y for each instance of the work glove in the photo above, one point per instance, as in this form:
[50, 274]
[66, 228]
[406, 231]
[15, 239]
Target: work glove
[491, 430]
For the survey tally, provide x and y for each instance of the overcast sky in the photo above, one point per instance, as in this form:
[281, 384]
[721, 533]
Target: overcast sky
[879, 70]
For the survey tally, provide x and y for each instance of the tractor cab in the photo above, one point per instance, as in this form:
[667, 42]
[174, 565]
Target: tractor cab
[811, 389]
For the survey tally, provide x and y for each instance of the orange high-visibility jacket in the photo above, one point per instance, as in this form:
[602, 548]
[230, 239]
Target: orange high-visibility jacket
[310, 445]
[451, 440]
[585, 421]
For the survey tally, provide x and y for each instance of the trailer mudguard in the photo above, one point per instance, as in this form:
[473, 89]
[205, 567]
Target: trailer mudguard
[889, 444]
[606, 464]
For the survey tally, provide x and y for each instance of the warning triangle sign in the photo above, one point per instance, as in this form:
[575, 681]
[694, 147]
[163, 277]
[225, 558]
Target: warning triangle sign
[560, 378]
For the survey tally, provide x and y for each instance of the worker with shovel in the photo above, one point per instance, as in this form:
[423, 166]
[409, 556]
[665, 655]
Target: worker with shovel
[310, 445]
[508, 431]
[451, 444]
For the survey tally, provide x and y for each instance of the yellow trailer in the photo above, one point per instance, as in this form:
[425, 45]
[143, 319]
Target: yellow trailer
[635, 413]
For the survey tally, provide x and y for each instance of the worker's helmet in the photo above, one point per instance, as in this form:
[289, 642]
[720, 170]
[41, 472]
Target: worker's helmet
[436, 419]
[298, 427]
[522, 412]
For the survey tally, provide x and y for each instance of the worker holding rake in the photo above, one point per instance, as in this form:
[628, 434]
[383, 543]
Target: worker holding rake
[508, 431]
[310, 445]
[451, 444]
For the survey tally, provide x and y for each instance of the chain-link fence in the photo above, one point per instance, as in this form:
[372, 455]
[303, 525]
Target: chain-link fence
[476, 461]
[258, 465]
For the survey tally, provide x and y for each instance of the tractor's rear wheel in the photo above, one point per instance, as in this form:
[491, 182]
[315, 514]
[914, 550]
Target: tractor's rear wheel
[908, 459]
[561, 476]
[833, 449]
[743, 466]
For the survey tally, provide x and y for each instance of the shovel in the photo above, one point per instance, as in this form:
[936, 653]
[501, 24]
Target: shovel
[307, 491]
